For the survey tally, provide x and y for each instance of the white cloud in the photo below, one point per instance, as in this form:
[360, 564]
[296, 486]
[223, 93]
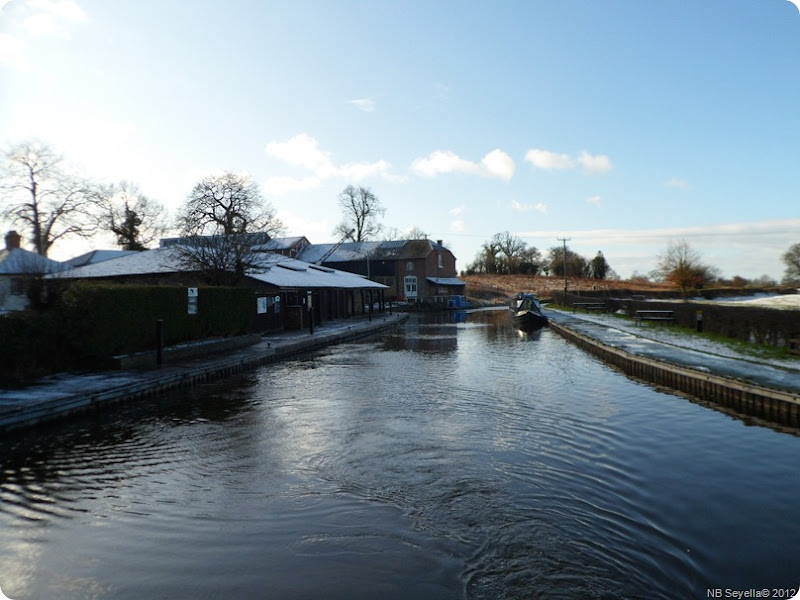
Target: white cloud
[315, 230]
[495, 164]
[441, 161]
[363, 104]
[280, 186]
[104, 144]
[457, 210]
[359, 171]
[550, 161]
[553, 161]
[36, 18]
[50, 17]
[746, 249]
[597, 164]
[67, 9]
[681, 184]
[596, 200]
[498, 164]
[538, 207]
[12, 52]
[303, 151]
[457, 226]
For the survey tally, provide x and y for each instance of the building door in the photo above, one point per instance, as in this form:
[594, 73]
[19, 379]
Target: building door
[410, 287]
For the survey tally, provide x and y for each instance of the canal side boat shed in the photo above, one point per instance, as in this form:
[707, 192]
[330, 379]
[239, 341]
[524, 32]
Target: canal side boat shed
[282, 286]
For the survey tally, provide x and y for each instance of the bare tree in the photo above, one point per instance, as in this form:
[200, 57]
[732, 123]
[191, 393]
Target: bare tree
[506, 254]
[361, 210]
[224, 218]
[135, 220]
[225, 205]
[512, 248]
[530, 261]
[682, 265]
[47, 202]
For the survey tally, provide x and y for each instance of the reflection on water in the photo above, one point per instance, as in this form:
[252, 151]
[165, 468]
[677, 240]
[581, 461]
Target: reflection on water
[457, 457]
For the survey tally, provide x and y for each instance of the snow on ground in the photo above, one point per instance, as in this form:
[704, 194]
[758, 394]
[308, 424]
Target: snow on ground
[789, 301]
[784, 301]
[680, 339]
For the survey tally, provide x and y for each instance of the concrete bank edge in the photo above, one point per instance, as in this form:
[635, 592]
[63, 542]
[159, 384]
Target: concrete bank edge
[774, 405]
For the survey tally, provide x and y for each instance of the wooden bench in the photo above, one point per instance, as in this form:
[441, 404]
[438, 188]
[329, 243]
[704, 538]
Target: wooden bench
[588, 306]
[667, 316]
[794, 346]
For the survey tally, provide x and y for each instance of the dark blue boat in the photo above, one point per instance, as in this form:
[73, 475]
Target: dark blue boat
[526, 311]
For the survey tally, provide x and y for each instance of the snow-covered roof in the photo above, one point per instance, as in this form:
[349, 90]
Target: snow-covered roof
[284, 272]
[356, 251]
[96, 256]
[275, 269]
[18, 261]
[276, 244]
[159, 260]
[257, 237]
[446, 281]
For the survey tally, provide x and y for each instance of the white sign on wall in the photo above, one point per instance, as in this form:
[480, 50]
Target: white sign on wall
[191, 294]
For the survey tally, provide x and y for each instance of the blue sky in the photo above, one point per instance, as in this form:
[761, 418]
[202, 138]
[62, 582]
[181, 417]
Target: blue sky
[621, 124]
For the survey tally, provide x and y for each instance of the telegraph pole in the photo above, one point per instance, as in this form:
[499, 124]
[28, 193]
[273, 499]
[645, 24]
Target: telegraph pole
[565, 240]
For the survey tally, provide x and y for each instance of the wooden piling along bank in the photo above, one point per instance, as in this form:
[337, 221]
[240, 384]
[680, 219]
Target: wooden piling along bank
[769, 404]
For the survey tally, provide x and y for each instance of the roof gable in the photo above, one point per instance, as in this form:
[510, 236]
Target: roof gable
[24, 262]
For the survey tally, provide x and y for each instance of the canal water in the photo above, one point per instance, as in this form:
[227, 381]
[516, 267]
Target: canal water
[453, 458]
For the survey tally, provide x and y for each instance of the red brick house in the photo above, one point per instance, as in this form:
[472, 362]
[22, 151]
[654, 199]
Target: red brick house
[414, 270]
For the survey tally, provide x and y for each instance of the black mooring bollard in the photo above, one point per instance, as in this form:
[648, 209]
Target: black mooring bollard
[159, 341]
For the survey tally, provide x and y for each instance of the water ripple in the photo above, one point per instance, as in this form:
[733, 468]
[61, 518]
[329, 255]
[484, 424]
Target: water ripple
[449, 460]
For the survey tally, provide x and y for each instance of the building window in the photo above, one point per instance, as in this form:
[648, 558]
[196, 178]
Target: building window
[17, 286]
[441, 261]
[409, 266]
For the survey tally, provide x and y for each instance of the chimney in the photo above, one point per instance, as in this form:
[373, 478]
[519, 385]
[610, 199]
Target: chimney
[12, 240]
[439, 242]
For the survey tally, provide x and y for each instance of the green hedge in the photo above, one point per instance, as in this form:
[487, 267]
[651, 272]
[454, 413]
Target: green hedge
[30, 346]
[94, 322]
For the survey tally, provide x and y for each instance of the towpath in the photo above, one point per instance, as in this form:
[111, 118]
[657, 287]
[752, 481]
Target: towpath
[60, 395]
[662, 344]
